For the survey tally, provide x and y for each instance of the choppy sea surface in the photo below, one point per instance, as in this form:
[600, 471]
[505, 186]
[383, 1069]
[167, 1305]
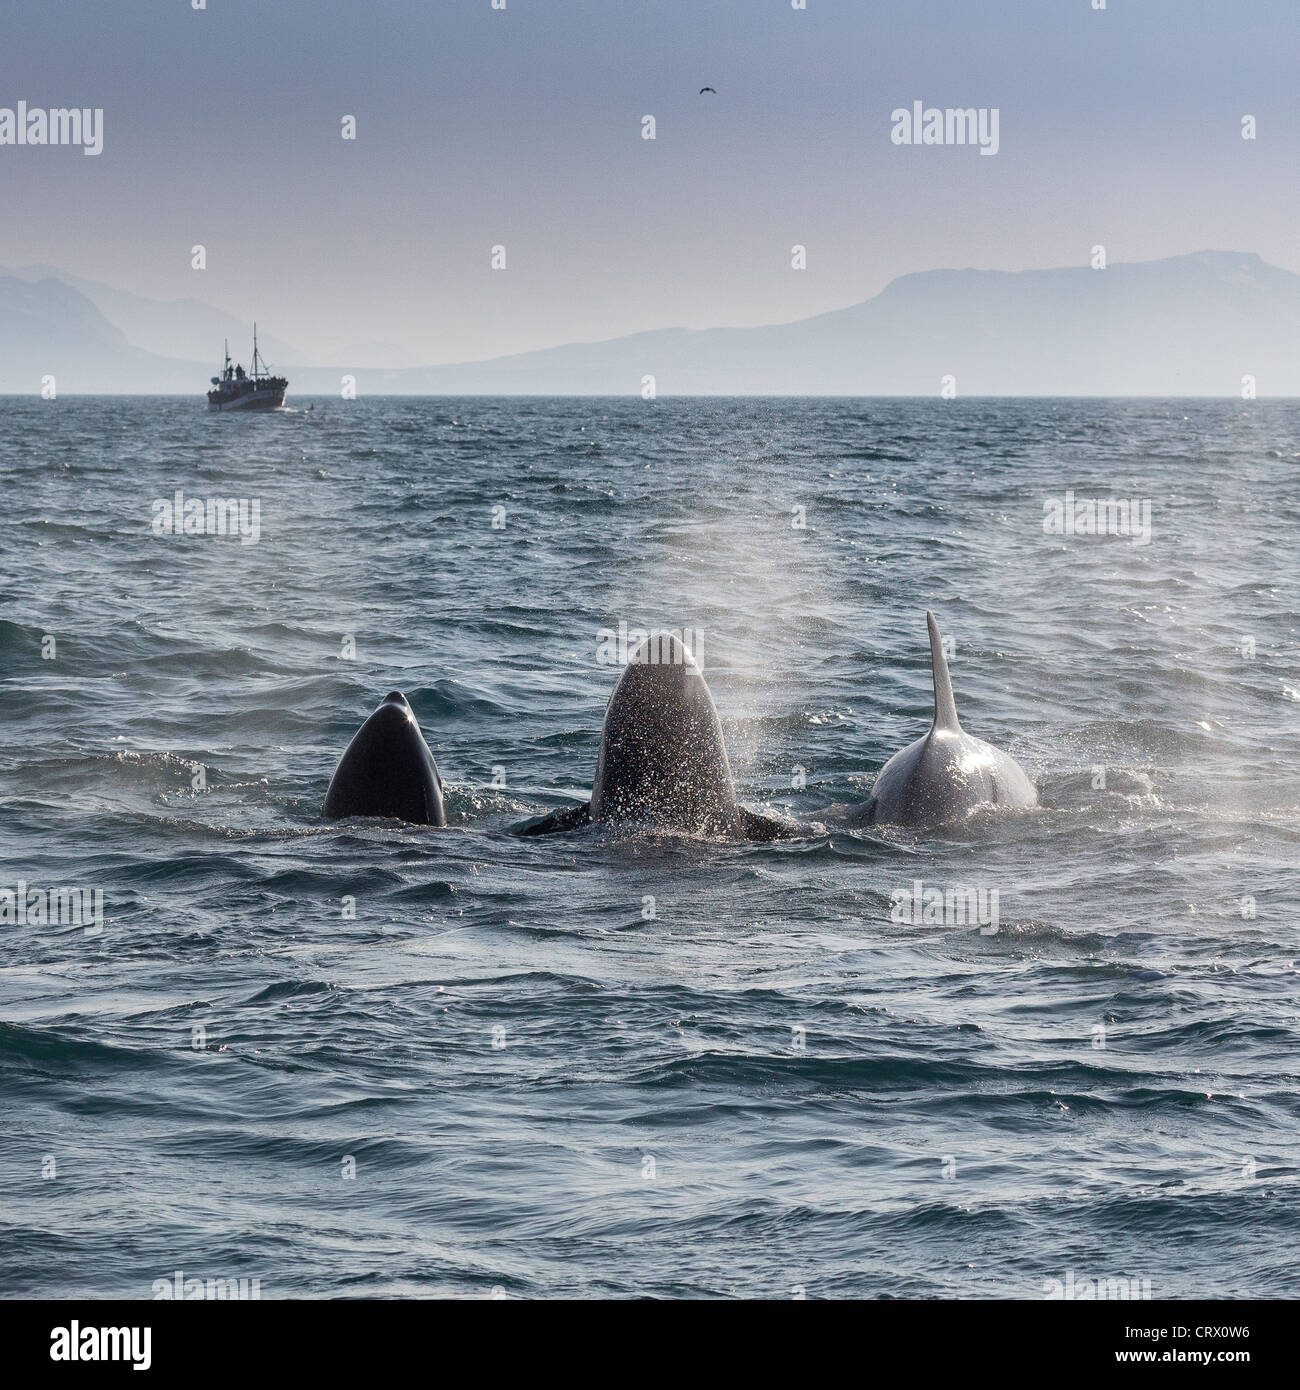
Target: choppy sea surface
[365, 1058]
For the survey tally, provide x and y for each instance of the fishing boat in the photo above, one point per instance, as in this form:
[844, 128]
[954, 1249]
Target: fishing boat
[236, 389]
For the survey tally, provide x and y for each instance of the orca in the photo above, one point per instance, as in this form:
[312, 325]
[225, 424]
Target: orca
[947, 774]
[662, 760]
[387, 770]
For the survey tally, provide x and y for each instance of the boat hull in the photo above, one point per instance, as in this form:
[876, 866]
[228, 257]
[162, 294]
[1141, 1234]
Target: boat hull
[254, 400]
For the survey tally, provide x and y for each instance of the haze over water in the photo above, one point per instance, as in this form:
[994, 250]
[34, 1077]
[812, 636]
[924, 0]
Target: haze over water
[768, 1084]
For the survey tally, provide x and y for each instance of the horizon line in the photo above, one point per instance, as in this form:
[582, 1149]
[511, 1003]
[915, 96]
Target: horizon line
[636, 396]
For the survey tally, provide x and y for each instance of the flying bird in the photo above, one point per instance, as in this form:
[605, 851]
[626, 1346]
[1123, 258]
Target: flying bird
[714, 90]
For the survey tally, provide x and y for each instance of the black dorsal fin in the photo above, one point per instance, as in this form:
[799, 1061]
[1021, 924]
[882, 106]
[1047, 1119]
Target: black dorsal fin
[945, 707]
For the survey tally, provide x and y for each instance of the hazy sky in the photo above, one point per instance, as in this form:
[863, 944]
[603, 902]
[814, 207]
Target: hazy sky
[523, 127]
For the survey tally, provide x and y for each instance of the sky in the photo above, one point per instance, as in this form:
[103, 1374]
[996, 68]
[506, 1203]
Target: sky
[521, 127]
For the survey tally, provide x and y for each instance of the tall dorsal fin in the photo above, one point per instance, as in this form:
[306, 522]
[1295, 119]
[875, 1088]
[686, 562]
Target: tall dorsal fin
[945, 707]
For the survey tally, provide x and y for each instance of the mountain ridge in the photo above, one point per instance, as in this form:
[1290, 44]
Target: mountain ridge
[1202, 323]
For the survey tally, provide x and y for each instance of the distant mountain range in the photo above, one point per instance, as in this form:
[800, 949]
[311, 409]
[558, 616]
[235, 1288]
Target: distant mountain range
[1189, 325]
[182, 328]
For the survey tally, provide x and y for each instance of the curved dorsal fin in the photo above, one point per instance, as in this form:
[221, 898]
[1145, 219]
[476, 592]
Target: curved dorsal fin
[945, 707]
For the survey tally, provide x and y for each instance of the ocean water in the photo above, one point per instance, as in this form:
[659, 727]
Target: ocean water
[366, 1058]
